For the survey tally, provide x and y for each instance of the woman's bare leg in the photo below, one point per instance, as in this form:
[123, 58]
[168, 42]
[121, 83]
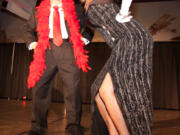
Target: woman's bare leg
[107, 95]
[102, 109]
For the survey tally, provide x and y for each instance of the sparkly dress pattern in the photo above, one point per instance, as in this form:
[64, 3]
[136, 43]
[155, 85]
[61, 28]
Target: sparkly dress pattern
[130, 67]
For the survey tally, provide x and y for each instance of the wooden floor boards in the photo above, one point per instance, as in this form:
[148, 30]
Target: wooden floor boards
[15, 116]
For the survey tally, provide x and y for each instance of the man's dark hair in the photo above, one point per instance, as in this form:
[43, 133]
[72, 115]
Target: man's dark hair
[38, 2]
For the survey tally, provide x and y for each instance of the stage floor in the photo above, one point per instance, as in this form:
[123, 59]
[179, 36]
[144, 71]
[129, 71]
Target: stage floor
[15, 119]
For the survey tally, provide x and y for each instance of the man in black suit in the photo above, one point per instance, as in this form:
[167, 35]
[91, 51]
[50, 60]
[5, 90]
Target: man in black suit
[61, 59]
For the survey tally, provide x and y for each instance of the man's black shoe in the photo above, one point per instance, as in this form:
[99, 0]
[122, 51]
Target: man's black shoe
[74, 129]
[33, 133]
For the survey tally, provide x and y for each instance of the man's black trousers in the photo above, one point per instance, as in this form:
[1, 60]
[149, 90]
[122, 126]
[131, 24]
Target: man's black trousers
[58, 59]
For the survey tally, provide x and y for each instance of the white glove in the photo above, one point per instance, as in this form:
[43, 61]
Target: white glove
[123, 18]
[124, 14]
[85, 41]
[32, 45]
[125, 5]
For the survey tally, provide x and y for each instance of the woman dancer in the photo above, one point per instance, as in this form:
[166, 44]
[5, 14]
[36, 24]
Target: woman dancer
[121, 92]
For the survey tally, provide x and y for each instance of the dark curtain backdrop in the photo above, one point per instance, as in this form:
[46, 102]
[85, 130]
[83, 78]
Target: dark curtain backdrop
[14, 71]
[166, 73]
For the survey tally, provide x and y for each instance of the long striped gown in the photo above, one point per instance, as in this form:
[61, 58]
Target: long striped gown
[130, 67]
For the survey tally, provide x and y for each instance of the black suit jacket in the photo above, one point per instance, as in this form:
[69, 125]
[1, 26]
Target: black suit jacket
[30, 26]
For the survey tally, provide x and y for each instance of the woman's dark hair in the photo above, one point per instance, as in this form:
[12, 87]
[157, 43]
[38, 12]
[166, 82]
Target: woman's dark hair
[77, 1]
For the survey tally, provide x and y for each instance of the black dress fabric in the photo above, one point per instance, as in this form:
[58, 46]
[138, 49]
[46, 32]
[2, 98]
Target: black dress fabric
[130, 67]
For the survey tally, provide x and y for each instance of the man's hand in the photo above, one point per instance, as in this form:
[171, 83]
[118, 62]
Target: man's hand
[32, 46]
[85, 41]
